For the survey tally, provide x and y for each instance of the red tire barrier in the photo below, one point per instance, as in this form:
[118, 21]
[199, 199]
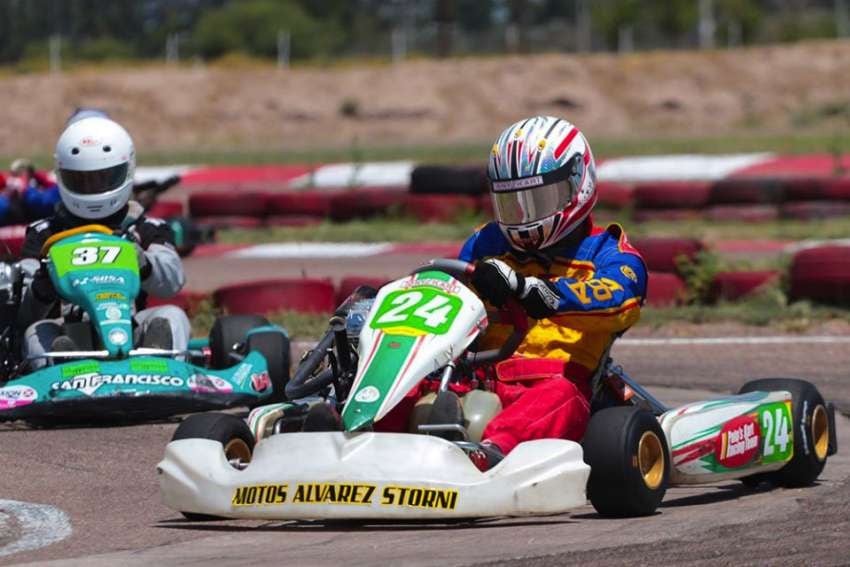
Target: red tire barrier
[485, 205]
[12, 239]
[745, 190]
[732, 286]
[837, 189]
[746, 213]
[440, 208]
[660, 254]
[364, 203]
[805, 189]
[218, 222]
[814, 210]
[821, 274]
[666, 215]
[291, 203]
[448, 180]
[672, 195]
[166, 210]
[227, 204]
[664, 290]
[188, 301]
[349, 283]
[266, 296]
[613, 195]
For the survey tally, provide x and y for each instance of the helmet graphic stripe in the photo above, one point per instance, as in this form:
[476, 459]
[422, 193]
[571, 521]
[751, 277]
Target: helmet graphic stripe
[565, 143]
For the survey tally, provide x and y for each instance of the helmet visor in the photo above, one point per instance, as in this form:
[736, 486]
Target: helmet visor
[94, 182]
[528, 205]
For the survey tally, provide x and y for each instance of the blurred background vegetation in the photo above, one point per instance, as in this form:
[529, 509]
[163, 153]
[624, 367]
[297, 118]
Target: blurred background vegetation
[323, 30]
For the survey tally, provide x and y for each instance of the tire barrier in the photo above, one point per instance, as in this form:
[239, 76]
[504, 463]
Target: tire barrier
[232, 203]
[448, 180]
[614, 195]
[228, 221]
[742, 213]
[814, 210]
[838, 189]
[805, 189]
[664, 290]
[267, 296]
[166, 210]
[743, 190]
[293, 220]
[440, 208]
[365, 203]
[12, 240]
[299, 204]
[189, 301]
[732, 286]
[661, 254]
[821, 274]
[666, 215]
[666, 195]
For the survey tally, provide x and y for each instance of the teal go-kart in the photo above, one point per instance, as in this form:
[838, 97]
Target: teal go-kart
[107, 377]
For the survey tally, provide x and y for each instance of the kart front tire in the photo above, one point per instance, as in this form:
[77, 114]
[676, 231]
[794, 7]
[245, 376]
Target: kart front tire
[810, 431]
[235, 437]
[228, 331]
[629, 462]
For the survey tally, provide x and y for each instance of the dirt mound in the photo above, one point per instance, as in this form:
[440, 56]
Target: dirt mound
[435, 102]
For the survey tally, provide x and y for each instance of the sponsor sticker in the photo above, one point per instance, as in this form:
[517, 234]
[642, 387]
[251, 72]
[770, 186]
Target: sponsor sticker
[207, 384]
[81, 368]
[118, 337]
[738, 442]
[149, 365]
[242, 373]
[90, 383]
[107, 295]
[113, 313]
[102, 279]
[261, 381]
[515, 184]
[367, 395]
[16, 396]
[629, 273]
[345, 493]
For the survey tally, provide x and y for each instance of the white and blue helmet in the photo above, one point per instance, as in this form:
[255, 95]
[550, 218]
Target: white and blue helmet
[543, 181]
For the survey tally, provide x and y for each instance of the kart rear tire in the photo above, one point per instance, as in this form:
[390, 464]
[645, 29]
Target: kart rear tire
[274, 346]
[808, 413]
[228, 331]
[629, 462]
[235, 437]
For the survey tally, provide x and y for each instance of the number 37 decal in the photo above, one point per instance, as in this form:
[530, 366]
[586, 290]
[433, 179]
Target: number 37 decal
[88, 255]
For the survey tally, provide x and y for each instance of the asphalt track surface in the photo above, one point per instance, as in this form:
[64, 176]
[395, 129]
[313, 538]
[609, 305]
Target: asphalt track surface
[104, 480]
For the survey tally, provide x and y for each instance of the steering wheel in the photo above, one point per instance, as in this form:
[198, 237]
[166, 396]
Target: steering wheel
[99, 228]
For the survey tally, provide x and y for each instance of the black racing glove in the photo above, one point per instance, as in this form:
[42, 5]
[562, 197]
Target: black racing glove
[496, 282]
[539, 298]
[42, 288]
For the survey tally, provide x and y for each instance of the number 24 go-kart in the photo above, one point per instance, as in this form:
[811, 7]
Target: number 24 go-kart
[107, 377]
[421, 327]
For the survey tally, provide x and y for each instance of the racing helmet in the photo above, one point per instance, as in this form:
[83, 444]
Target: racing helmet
[542, 180]
[95, 163]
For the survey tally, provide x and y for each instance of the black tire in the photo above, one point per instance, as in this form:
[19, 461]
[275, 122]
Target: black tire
[274, 346]
[228, 331]
[448, 180]
[808, 414]
[629, 462]
[233, 433]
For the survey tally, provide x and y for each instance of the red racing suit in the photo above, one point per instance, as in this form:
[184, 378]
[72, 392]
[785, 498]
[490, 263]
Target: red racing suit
[545, 389]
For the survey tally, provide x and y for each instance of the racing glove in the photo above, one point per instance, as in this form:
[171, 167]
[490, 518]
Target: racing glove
[42, 288]
[496, 282]
[539, 298]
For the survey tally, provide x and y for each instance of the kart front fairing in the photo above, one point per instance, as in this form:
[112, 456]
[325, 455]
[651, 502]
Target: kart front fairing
[141, 386]
[338, 475]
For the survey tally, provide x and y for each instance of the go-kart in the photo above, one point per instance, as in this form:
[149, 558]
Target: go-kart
[283, 463]
[109, 375]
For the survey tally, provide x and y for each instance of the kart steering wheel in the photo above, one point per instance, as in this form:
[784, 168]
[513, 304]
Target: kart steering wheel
[516, 316]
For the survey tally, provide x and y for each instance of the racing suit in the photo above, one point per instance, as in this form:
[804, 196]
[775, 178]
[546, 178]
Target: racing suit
[595, 285]
[161, 276]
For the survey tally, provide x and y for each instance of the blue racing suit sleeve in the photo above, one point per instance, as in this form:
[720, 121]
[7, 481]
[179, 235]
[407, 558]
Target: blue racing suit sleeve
[40, 203]
[486, 242]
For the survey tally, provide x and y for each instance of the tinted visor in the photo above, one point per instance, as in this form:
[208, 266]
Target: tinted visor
[94, 182]
[528, 205]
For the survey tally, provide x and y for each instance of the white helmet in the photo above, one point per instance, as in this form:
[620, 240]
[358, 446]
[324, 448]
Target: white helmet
[95, 163]
[543, 181]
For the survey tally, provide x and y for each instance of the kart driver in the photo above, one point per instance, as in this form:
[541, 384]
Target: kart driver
[580, 284]
[95, 163]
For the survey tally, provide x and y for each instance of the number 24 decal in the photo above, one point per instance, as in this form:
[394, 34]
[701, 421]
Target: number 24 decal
[433, 313]
[777, 428]
[87, 255]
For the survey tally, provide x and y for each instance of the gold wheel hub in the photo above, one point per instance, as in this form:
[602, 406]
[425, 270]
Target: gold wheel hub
[651, 460]
[237, 452]
[820, 432]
